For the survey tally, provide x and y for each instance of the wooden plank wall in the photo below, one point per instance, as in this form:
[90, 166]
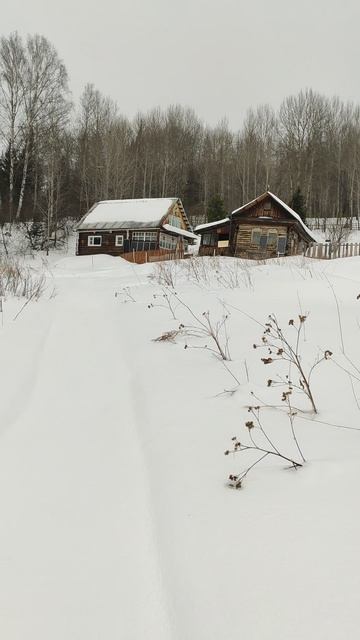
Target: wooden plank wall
[329, 251]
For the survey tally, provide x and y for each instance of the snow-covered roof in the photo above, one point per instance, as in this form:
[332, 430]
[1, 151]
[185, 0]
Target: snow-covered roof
[111, 214]
[208, 225]
[180, 232]
[282, 204]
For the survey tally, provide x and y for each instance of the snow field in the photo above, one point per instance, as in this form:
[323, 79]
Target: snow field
[116, 518]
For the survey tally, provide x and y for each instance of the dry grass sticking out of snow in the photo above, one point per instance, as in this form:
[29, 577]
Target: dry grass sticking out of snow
[20, 280]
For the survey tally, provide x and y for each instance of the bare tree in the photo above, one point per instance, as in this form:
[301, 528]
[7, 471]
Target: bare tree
[12, 62]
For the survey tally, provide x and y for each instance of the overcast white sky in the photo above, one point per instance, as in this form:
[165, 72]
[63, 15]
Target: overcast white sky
[218, 57]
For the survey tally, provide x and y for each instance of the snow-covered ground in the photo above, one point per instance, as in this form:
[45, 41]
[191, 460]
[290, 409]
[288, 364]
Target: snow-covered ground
[117, 521]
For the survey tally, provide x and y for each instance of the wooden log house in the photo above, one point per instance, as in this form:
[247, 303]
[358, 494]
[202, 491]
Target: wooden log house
[129, 227]
[266, 227]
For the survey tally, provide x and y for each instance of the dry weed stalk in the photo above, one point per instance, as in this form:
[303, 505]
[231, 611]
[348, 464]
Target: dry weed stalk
[260, 442]
[280, 347]
[126, 295]
[199, 326]
[167, 301]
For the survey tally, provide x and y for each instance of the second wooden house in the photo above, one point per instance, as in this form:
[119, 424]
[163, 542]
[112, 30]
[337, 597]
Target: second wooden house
[266, 227]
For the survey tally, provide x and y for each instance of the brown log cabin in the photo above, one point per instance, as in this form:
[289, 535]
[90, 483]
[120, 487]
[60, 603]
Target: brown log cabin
[128, 227]
[266, 227]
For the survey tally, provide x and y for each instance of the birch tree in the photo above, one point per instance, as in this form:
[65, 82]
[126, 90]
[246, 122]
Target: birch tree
[12, 63]
[44, 87]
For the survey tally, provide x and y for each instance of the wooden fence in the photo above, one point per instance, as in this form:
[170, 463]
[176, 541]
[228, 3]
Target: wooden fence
[214, 251]
[155, 255]
[328, 250]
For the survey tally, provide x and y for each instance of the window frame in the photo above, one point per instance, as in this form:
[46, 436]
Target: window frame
[273, 244]
[91, 242]
[284, 238]
[140, 236]
[117, 238]
[168, 242]
[174, 221]
[209, 239]
[253, 231]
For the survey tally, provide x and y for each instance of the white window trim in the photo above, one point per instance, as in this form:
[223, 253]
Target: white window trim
[140, 236]
[91, 242]
[119, 241]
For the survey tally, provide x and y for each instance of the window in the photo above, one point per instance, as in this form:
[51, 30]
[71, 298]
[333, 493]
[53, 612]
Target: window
[281, 245]
[174, 221]
[94, 241]
[263, 241]
[167, 242]
[272, 239]
[255, 236]
[209, 239]
[119, 241]
[145, 236]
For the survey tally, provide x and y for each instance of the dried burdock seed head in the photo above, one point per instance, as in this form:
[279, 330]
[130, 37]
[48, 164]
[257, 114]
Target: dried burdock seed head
[302, 319]
[249, 424]
[327, 354]
[267, 360]
[280, 352]
[291, 322]
[269, 383]
[226, 453]
[234, 438]
[254, 346]
[358, 297]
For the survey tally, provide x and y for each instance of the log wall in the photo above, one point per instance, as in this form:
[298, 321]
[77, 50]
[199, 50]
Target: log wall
[244, 247]
[107, 243]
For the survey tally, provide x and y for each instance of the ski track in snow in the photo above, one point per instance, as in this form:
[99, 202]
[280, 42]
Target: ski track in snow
[102, 550]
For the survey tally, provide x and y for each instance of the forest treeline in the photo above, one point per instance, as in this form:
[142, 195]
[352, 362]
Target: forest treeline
[58, 158]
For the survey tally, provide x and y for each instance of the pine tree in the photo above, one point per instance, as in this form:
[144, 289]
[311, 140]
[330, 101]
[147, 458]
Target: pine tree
[298, 203]
[216, 210]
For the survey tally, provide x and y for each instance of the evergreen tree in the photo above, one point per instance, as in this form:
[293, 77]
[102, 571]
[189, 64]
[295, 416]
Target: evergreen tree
[298, 203]
[192, 188]
[216, 210]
